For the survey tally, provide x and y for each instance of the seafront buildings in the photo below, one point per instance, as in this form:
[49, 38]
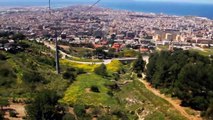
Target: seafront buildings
[100, 25]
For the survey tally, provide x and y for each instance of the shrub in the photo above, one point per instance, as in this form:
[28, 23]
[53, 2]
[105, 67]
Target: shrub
[68, 116]
[101, 70]
[2, 57]
[13, 113]
[94, 89]
[110, 93]
[32, 77]
[44, 106]
[79, 110]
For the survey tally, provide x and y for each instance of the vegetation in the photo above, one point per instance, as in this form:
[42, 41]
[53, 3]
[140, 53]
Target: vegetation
[205, 52]
[101, 70]
[3, 103]
[186, 75]
[25, 73]
[12, 35]
[137, 99]
[29, 75]
[128, 53]
[44, 107]
[85, 67]
[80, 93]
[139, 65]
[114, 66]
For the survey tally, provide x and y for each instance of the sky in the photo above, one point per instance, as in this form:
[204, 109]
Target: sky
[188, 1]
[179, 1]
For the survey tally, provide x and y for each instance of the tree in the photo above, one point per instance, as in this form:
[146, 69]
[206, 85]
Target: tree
[100, 52]
[139, 65]
[19, 36]
[101, 70]
[44, 107]
[183, 74]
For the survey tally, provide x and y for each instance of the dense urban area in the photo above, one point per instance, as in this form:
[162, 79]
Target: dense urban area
[114, 65]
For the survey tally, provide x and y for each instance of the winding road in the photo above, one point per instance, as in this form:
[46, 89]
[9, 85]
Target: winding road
[105, 61]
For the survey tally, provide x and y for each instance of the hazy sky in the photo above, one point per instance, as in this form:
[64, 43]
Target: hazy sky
[188, 1]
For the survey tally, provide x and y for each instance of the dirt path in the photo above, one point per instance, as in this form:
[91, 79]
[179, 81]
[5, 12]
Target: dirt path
[19, 108]
[174, 103]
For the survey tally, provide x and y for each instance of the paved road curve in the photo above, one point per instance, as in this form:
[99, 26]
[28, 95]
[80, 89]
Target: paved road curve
[107, 61]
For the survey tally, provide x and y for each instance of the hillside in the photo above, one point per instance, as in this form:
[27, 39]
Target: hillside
[28, 78]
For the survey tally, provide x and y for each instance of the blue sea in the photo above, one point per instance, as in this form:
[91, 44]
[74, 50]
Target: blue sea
[181, 9]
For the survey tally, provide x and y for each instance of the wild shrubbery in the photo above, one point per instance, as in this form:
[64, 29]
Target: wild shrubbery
[184, 74]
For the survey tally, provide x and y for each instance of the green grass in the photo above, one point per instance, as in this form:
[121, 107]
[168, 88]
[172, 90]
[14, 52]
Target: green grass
[206, 52]
[33, 58]
[78, 51]
[84, 59]
[114, 66]
[158, 108]
[163, 47]
[79, 92]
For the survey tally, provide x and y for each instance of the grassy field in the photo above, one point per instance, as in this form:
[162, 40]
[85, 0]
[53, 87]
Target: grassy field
[114, 66]
[79, 92]
[163, 47]
[85, 67]
[85, 59]
[206, 51]
[137, 98]
[33, 59]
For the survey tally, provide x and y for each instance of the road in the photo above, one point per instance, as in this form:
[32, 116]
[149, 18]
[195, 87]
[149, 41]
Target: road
[106, 61]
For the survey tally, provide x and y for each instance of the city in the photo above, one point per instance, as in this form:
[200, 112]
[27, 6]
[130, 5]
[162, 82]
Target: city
[87, 62]
[101, 25]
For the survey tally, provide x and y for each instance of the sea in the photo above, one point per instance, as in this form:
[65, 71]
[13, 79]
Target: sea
[170, 8]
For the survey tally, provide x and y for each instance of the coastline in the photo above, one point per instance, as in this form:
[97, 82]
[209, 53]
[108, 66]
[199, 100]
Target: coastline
[12, 8]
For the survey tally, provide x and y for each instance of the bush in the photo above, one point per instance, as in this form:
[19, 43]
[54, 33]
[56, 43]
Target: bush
[71, 74]
[44, 106]
[110, 93]
[2, 57]
[79, 110]
[95, 89]
[13, 113]
[113, 86]
[120, 114]
[68, 116]
[32, 77]
[101, 70]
